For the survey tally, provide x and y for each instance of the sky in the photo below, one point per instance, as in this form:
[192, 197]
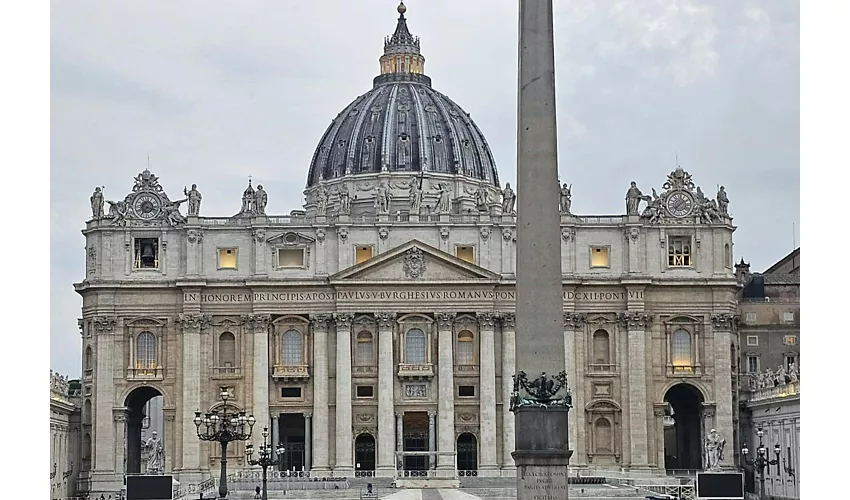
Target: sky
[212, 92]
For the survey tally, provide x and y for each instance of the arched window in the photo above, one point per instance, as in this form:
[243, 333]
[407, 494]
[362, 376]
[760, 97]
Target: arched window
[292, 347]
[727, 256]
[601, 348]
[680, 351]
[226, 350]
[87, 447]
[87, 412]
[146, 351]
[88, 358]
[414, 347]
[465, 348]
[603, 437]
[363, 352]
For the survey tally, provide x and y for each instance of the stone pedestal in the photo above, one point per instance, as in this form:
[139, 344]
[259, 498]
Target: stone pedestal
[414, 217]
[542, 454]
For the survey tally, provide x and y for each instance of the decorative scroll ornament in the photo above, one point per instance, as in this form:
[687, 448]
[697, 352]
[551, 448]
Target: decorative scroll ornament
[444, 232]
[104, 324]
[575, 320]
[320, 321]
[383, 232]
[445, 319]
[568, 234]
[260, 235]
[343, 320]
[193, 235]
[193, 321]
[541, 392]
[320, 235]
[385, 319]
[724, 321]
[414, 263]
[634, 319]
[507, 234]
[485, 232]
[486, 319]
[508, 319]
[343, 233]
[257, 321]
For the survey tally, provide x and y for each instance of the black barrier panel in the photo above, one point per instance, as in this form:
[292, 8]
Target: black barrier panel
[720, 485]
[149, 488]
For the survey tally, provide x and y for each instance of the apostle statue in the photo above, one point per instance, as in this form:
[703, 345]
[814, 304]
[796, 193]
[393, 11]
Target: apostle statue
[713, 451]
[633, 199]
[566, 198]
[722, 201]
[344, 199]
[194, 197]
[415, 196]
[321, 200]
[793, 373]
[261, 200]
[383, 198]
[97, 203]
[508, 199]
[444, 199]
[482, 198]
[156, 455]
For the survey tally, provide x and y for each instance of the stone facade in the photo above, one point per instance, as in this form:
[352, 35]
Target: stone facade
[65, 445]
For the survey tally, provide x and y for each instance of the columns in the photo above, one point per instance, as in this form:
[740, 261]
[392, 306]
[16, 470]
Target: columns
[432, 439]
[508, 370]
[723, 326]
[507, 250]
[658, 412]
[386, 383]
[487, 394]
[103, 445]
[260, 267]
[259, 325]
[120, 417]
[275, 430]
[308, 440]
[636, 323]
[168, 439]
[445, 381]
[191, 325]
[320, 391]
[344, 463]
[399, 438]
[632, 234]
[573, 326]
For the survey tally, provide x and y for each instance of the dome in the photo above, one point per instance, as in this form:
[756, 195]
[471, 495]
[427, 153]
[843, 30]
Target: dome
[403, 125]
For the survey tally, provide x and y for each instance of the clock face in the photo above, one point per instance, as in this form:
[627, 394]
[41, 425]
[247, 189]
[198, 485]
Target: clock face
[679, 204]
[146, 206]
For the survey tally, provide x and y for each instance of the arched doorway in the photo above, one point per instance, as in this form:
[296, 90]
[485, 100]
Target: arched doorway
[683, 439]
[144, 417]
[364, 452]
[467, 452]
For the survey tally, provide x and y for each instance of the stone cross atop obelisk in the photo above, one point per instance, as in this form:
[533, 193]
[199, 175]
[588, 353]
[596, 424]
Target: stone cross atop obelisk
[540, 399]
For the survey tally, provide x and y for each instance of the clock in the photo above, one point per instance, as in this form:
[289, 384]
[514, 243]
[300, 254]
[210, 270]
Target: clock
[679, 204]
[146, 206]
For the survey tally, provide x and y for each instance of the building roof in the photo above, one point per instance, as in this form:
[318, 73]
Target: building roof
[788, 264]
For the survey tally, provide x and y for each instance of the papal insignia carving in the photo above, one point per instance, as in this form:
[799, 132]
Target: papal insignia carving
[414, 263]
[541, 392]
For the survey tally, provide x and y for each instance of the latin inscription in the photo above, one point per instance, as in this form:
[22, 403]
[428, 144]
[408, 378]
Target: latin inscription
[544, 484]
[411, 295]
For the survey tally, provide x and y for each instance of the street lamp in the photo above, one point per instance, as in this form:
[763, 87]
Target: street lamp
[223, 429]
[266, 459]
[761, 461]
[68, 472]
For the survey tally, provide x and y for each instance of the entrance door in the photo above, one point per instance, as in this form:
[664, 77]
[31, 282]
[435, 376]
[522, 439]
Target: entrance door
[415, 434]
[467, 452]
[364, 452]
[291, 430]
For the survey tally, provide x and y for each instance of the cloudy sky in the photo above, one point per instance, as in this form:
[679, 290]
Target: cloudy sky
[217, 91]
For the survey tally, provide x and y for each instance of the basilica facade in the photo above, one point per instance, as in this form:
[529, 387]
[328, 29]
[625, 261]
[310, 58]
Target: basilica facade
[372, 331]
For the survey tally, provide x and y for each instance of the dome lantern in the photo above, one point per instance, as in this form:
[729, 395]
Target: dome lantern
[401, 50]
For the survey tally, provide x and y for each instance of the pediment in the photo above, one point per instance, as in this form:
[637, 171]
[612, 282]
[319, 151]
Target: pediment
[290, 238]
[413, 262]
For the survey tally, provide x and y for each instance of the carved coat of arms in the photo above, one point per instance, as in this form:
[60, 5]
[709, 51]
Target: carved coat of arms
[414, 263]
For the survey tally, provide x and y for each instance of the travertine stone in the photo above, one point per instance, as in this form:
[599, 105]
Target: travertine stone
[320, 391]
[445, 406]
[508, 370]
[191, 336]
[487, 396]
[344, 464]
[386, 385]
[260, 331]
[104, 459]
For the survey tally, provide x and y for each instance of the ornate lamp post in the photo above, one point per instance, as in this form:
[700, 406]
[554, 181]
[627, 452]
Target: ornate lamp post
[761, 461]
[68, 472]
[266, 459]
[224, 429]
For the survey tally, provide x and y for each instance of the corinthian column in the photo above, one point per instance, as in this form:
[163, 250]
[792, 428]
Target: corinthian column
[103, 468]
[574, 322]
[344, 464]
[487, 394]
[259, 325]
[636, 323]
[192, 324]
[724, 325]
[445, 381]
[386, 459]
[508, 370]
[320, 391]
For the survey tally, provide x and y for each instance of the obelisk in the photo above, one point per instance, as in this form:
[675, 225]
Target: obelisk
[540, 400]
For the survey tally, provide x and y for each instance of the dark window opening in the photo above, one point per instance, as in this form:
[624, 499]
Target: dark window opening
[290, 392]
[466, 391]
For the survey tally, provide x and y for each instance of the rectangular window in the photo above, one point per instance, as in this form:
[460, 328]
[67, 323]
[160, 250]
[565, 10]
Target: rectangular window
[290, 392]
[466, 253]
[790, 360]
[752, 364]
[679, 251]
[227, 258]
[599, 257]
[788, 317]
[752, 340]
[751, 317]
[790, 340]
[466, 391]
[146, 253]
[290, 257]
[365, 391]
[362, 254]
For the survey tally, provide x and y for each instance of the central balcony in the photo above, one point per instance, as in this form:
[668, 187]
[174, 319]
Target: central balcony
[291, 372]
[415, 371]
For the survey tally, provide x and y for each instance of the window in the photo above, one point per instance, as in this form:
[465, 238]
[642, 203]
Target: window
[227, 258]
[414, 347]
[601, 348]
[465, 348]
[466, 253]
[146, 253]
[681, 352]
[291, 346]
[466, 391]
[752, 364]
[599, 257]
[290, 392]
[226, 350]
[788, 317]
[790, 360]
[146, 352]
[88, 358]
[363, 352]
[603, 436]
[362, 254]
[751, 317]
[790, 340]
[727, 256]
[290, 257]
[365, 391]
[679, 251]
[752, 340]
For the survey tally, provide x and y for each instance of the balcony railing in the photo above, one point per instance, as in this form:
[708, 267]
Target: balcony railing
[780, 391]
[365, 371]
[602, 368]
[466, 370]
[415, 371]
[223, 372]
[145, 373]
[291, 372]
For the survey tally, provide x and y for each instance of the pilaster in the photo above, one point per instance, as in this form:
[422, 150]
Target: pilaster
[259, 325]
[191, 326]
[321, 251]
[386, 383]
[432, 438]
[104, 475]
[260, 266]
[308, 440]
[487, 394]
[636, 323]
[344, 463]
[321, 440]
[446, 403]
[573, 325]
[399, 441]
[508, 370]
[723, 326]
